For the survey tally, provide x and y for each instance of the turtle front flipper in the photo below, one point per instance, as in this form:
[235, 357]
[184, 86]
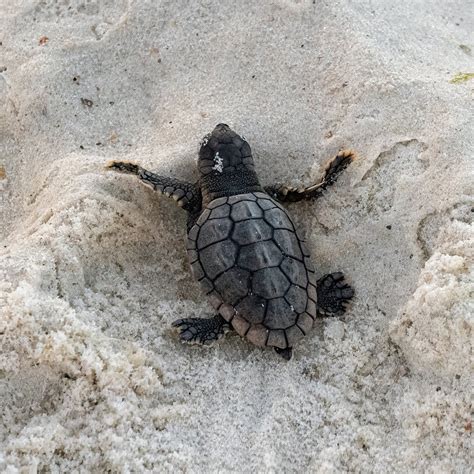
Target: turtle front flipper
[203, 331]
[333, 294]
[187, 195]
[333, 169]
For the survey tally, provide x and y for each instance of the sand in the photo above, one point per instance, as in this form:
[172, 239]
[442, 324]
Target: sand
[93, 265]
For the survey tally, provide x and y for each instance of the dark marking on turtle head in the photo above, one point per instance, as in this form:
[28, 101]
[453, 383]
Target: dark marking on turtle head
[225, 164]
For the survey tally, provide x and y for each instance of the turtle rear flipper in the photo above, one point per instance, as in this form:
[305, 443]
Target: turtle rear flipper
[203, 331]
[333, 294]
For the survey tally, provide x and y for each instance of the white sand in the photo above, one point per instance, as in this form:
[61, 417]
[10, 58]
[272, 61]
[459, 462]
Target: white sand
[94, 267]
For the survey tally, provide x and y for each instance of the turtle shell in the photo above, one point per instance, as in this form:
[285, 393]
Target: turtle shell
[254, 267]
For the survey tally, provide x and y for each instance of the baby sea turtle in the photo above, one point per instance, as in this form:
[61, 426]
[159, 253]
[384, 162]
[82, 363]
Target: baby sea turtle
[244, 249]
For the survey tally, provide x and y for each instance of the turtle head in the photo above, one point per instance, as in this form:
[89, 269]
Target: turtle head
[224, 151]
[225, 164]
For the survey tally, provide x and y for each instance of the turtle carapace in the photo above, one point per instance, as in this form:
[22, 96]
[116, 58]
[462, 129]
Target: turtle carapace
[244, 249]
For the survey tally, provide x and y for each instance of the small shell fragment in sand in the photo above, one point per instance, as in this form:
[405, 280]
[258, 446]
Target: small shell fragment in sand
[87, 102]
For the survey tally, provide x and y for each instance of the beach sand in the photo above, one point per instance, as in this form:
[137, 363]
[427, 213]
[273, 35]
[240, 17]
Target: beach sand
[93, 267]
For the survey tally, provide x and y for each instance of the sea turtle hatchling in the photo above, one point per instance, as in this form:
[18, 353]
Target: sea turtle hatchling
[244, 249]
